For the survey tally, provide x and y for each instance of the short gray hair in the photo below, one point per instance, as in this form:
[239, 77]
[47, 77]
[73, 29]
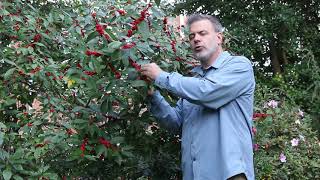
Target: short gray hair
[214, 21]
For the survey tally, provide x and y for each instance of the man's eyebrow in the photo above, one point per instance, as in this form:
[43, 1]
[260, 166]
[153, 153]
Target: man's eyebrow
[202, 31]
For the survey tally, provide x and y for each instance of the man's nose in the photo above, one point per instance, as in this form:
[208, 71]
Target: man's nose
[196, 38]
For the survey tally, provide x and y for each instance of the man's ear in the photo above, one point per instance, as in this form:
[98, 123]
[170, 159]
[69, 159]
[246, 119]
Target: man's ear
[220, 38]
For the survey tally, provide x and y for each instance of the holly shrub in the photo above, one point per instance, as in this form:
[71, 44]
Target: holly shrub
[72, 100]
[73, 103]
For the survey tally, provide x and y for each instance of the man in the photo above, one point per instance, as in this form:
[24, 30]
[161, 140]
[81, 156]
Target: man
[215, 108]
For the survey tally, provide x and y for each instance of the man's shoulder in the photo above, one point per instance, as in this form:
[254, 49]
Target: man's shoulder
[239, 58]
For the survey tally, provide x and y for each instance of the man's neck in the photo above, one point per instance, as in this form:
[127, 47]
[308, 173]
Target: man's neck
[213, 58]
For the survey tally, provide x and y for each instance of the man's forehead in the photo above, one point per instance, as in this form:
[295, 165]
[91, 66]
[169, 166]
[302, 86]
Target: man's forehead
[201, 25]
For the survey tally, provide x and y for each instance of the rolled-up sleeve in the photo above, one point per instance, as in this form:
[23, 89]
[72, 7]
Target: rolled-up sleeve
[170, 117]
[215, 89]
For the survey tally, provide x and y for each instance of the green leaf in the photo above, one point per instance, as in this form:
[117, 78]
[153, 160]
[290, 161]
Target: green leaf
[10, 62]
[2, 126]
[158, 2]
[40, 44]
[105, 106]
[92, 158]
[138, 83]
[37, 153]
[8, 74]
[144, 29]
[80, 121]
[32, 7]
[61, 16]
[3, 154]
[109, 32]
[10, 102]
[91, 84]
[45, 35]
[7, 174]
[115, 45]
[92, 36]
[118, 139]
[16, 177]
[100, 149]
[1, 138]
[4, 12]
[144, 47]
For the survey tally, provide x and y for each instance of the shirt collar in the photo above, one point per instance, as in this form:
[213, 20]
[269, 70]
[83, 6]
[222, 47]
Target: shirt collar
[216, 64]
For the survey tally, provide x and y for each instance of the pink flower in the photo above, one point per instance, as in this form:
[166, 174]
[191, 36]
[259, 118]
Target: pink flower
[300, 113]
[254, 130]
[294, 142]
[272, 104]
[256, 147]
[282, 158]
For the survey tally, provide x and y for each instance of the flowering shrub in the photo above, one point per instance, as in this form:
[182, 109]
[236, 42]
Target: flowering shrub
[285, 145]
[72, 100]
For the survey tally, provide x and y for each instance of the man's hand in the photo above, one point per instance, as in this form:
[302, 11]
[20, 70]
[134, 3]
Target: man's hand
[151, 70]
[151, 91]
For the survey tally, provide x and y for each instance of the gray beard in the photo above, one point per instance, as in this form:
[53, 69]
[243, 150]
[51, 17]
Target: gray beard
[204, 58]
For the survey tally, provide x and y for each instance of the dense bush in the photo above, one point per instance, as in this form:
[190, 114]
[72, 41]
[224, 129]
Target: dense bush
[285, 146]
[80, 64]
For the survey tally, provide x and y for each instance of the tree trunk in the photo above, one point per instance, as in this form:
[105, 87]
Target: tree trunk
[275, 63]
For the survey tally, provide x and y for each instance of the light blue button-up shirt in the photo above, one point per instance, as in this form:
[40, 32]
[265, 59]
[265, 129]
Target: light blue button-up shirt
[214, 114]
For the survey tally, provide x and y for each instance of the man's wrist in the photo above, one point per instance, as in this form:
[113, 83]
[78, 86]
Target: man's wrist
[161, 79]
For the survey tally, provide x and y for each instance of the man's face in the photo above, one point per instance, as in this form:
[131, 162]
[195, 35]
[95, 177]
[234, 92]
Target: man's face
[204, 40]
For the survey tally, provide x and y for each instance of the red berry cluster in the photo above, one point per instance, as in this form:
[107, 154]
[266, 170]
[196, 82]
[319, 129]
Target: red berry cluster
[90, 73]
[93, 53]
[37, 38]
[105, 142]
[121, 12]
[128, 45]
[35, 70]
[21, 72]
[117, 74]
[165, 26]
[48, 74]
[173, 46]
[16, 27]
[71, 131]
[79, 66]
[259, 115]
[42, 144]
[100, 28]
[143, 14]
[134, 64]
[83, 146]
[101, 140]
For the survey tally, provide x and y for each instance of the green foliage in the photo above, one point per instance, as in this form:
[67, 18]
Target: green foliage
[281, 38]
[72, 100]
[286, 147]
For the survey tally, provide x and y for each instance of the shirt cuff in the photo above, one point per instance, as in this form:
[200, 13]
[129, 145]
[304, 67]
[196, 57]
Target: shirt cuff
[155, 97]
[162, 79]
[154, 100]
